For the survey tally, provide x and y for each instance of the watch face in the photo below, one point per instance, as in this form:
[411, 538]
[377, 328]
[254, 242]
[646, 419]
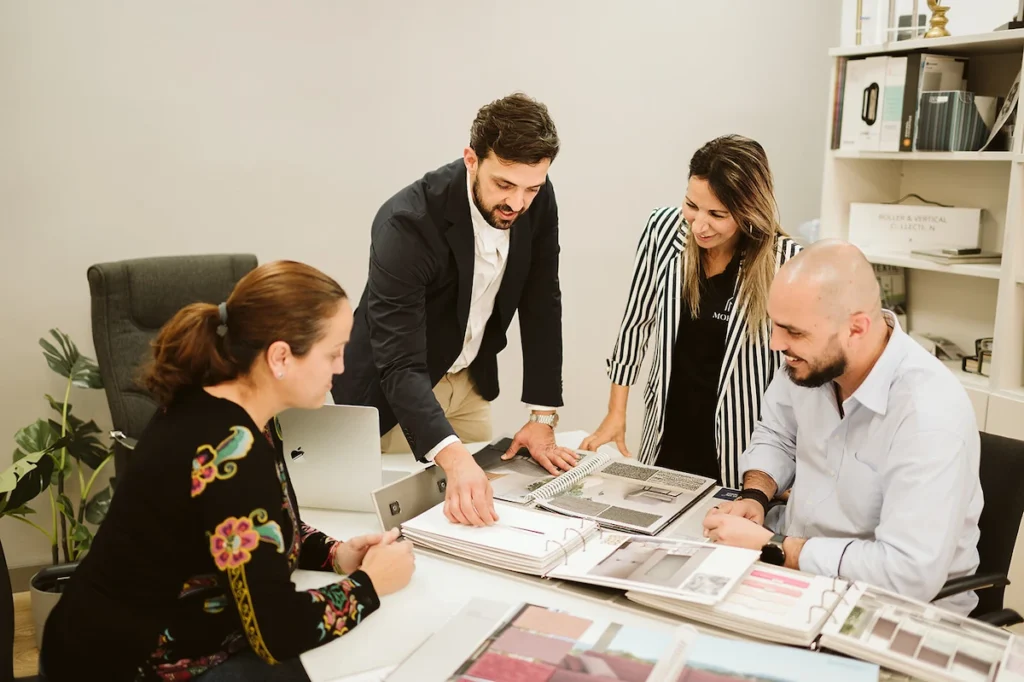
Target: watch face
[773, 554]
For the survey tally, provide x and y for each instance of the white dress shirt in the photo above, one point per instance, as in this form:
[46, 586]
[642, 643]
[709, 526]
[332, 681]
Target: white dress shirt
[490, 257]
[889, 493]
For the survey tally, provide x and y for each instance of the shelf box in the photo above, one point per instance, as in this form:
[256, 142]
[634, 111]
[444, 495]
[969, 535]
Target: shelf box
[901, 228]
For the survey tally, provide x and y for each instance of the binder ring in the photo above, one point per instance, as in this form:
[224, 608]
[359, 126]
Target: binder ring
[573, 530]
[810, 610]
[564, 553]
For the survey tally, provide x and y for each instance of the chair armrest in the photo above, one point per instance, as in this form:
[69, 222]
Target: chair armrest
[969, 583]
[1002, 618]
[127, 442]
[51, 578]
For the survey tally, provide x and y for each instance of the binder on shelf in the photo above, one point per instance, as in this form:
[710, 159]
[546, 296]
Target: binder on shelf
[953, 121]
[863, 96]
[930, 72]
[893, 104]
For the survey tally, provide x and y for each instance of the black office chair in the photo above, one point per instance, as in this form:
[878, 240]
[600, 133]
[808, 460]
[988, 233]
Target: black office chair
[1002, 482]
[7, 625]
[131, 301]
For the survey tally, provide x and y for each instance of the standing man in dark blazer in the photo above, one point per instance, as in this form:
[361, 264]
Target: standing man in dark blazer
[453, 257]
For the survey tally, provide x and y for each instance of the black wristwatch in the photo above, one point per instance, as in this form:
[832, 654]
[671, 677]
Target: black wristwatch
[757, 495]
[774, 553]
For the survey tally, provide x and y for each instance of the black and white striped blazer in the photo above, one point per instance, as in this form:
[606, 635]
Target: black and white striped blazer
[654, 304]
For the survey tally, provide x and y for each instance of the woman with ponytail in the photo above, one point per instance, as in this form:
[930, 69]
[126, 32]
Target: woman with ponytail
[189, 577]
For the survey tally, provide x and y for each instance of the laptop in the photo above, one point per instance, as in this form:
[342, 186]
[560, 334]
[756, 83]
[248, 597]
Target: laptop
[333, 456]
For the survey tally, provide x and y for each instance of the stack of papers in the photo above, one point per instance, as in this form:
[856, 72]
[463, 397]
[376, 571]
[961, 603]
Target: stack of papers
[523, 540]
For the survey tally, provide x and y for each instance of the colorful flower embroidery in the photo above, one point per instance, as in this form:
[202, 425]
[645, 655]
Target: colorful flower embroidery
[342, 610]
[162, 666]
[205, 585]
[234, 540]
[212, 463]
[286, 505]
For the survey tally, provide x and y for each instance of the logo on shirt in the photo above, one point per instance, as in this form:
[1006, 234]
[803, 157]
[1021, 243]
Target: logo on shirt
[724, 316]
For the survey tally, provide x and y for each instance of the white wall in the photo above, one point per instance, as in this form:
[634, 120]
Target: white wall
[140, 129]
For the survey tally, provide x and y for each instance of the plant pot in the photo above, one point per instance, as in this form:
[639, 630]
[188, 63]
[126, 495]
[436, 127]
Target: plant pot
[45, 589]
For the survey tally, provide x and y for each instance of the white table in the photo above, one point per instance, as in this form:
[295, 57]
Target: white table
[439, 588]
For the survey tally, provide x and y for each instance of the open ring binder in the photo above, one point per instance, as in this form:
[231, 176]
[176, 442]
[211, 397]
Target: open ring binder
[582, 537]
[565, 553]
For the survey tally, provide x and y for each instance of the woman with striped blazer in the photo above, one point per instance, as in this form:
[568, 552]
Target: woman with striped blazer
[700, 284]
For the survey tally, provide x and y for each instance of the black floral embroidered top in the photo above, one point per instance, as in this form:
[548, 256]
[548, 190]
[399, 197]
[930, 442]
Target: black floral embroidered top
[193, 563]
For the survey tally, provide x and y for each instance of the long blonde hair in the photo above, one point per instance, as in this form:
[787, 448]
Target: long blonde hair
[736, 169]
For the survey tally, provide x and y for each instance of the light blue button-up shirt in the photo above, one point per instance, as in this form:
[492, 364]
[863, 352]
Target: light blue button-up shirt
[889, 493]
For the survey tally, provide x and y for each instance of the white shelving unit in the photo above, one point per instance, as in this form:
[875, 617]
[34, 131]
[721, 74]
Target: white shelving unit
[904, 261]
[1004, 157]
[960, 302]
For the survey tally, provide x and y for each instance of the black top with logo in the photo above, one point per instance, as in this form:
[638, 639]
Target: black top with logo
[688, 443]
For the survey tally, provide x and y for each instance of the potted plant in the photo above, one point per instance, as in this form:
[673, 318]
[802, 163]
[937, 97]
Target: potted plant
[77, 455]
[20, 483]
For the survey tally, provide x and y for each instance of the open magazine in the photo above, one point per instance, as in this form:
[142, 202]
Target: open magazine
[491, 641]
[921, 639]
[614, 491]
[553, 546]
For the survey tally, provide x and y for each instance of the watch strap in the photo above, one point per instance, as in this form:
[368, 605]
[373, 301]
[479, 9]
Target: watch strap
[546, 419]
[757, 495]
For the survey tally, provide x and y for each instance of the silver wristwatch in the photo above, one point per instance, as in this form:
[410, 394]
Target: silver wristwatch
[546, 419]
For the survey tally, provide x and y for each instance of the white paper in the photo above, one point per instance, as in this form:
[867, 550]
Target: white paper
[519, 531]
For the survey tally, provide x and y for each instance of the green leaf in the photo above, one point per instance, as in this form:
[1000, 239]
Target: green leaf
[58, 407]
[97, 508]
[55, 358]
[21, 482]
[83, 444]
[23, 510]
[36, 437]
[85, 373]
[66, 360]
[81, 538]
[65, 507]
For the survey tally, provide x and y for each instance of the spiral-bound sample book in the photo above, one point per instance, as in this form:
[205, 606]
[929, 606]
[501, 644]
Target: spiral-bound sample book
[616, 492]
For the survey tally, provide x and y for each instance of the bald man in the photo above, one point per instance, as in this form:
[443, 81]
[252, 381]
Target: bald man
[876, 437]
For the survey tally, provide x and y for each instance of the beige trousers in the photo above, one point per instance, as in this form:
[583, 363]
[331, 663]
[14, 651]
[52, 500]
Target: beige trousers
[467, 412]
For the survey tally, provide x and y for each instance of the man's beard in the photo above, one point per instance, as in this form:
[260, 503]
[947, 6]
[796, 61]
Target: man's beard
[492, 216]
[820, 374]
